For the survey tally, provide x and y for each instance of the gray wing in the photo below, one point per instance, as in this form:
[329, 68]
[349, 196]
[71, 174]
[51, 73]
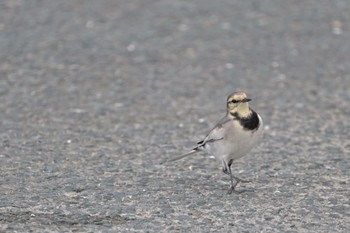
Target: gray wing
[217, 133]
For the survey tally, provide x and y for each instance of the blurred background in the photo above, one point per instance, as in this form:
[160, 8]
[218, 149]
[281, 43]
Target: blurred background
[94, 94]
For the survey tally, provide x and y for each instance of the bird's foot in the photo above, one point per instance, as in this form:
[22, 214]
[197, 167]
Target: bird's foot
[233, 185]
[233, 190]
[239, 180]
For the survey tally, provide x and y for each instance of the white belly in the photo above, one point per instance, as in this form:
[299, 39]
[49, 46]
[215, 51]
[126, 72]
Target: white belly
[236, 144]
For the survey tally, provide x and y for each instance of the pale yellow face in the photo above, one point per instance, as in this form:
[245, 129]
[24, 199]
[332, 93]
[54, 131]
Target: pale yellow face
[237, 102]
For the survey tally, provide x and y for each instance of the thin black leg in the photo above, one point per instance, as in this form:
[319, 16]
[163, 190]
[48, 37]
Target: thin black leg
[233, 184]
[227, 170]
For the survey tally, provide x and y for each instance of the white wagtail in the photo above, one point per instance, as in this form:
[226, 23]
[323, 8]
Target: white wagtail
[233, 136]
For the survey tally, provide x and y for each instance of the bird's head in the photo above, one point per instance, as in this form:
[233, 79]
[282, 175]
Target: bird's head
[237, 103]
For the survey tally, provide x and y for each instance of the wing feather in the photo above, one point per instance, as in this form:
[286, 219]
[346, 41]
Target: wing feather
[218, 132]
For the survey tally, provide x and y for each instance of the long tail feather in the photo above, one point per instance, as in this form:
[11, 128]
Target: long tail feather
[194, 150]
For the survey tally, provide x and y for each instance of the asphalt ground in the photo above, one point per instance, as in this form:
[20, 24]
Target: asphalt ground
[95, 94]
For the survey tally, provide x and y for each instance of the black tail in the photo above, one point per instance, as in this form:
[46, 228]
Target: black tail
[194, 150]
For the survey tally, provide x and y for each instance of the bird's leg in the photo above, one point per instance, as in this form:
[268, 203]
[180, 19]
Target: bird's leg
[233, 184]
[227, 170]
[242, 181]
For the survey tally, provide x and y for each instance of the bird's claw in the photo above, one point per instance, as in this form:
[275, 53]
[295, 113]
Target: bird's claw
[233, 190]
[242, 181]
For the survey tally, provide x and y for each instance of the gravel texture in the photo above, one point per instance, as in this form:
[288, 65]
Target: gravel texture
[95, 94]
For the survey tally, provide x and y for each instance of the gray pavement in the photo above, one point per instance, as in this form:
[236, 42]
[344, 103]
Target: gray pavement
[95, 94]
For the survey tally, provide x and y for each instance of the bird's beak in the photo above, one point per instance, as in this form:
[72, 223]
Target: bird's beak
[246, 100]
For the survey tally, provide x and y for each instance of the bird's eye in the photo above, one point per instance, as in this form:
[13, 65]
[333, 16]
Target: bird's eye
[234, 101]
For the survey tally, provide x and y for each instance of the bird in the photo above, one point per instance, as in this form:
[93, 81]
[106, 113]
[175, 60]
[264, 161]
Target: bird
[232, 137]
